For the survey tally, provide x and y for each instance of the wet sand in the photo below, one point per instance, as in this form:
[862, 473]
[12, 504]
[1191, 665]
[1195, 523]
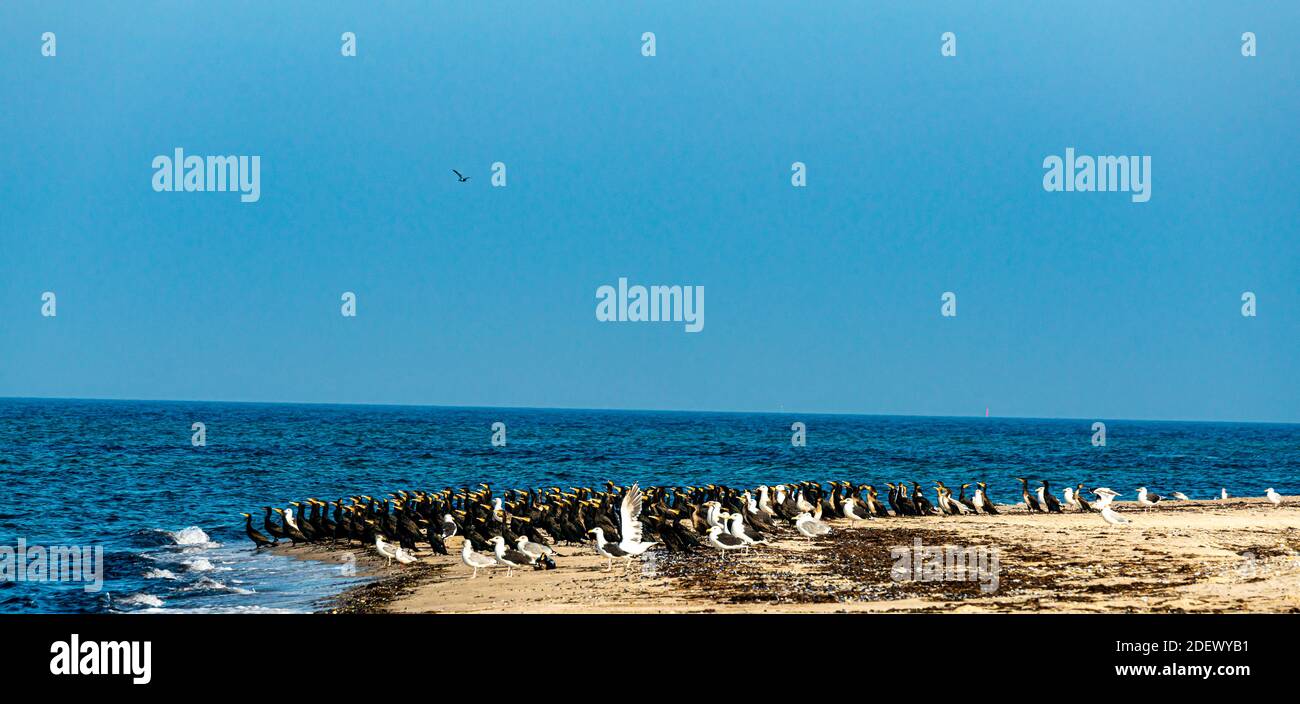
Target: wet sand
[1239, 555]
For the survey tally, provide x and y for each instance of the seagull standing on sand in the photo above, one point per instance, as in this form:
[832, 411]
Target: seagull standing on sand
[1180, 496]
[1223, 494]
[1148, 499]
[510, 557]
[476, 560]
[724, 541]
[1108, 514]
[851, 510]
[1070, 500]
[607, 549]
[533, 550]
[402, 556]
[738, 529]
[1273, 497]
[384, 549]
[809, 526]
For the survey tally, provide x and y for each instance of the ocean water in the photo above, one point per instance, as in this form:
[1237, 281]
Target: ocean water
[124, 476]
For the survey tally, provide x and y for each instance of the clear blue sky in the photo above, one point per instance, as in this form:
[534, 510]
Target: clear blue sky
[924, 176]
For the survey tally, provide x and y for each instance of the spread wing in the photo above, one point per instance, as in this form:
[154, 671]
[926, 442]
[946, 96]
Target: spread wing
[629, 523]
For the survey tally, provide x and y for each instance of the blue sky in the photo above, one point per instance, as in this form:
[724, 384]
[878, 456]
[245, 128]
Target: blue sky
[924, 176]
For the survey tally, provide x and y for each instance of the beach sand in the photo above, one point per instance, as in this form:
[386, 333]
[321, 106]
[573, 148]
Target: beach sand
[1239, 555]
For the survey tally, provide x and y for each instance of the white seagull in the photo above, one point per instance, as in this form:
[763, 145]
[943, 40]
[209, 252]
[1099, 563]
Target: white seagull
[476, 560]
[448, 526]
[533, 550]
[809, 526]
[510, 557]
[1181, 496]
[384, 549]
[1223, 494]
[1274, 497]
[1070, 500]
[607, 549]
[851, 507]
[402, 556]
[1104, 496]
[713, 514]
[737, 529]
[765, 502]
[724, 541]
[1107, 514]
[630, 524]
[1148, 499]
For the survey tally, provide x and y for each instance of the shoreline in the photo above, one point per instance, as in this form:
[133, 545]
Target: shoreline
[1233, 556]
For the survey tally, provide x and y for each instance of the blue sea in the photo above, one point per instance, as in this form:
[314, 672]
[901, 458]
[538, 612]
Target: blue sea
[123, 475]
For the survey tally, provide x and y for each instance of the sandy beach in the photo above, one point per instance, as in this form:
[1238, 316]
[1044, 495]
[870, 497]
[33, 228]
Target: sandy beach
[1238, 555]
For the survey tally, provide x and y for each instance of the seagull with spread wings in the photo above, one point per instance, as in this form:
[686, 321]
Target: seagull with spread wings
[1104, 497]
[630, 524]
[463, 179]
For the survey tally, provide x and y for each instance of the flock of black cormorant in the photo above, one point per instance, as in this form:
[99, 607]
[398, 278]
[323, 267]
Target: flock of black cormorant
[517, 528]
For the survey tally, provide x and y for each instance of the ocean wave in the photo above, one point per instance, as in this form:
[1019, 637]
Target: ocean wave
[192, 536]
[160, 574]
[140, 599]
[209, 584]
[199, 564]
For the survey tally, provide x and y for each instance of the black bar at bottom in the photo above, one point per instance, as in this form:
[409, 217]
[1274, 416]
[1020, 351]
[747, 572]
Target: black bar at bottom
[232, 653]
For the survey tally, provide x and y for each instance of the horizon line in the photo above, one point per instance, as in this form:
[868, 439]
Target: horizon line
[638, 410]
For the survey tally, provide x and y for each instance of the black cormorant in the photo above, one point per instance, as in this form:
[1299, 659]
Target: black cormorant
[261, 540]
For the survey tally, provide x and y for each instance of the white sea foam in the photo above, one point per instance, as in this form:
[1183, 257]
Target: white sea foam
[141, 599]
[192, 536]
[212, 584]
[198, 564]
[160, 574]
